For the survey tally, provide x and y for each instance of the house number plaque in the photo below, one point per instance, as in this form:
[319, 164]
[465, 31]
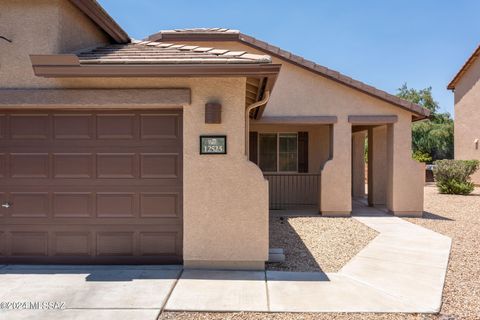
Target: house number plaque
[213, 144]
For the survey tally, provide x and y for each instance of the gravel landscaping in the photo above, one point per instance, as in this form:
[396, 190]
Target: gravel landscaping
[459, 218]
[315, 243]
[455, 216]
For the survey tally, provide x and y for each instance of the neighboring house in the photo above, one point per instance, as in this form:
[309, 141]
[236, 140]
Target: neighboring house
[103, 141]
[466, 88]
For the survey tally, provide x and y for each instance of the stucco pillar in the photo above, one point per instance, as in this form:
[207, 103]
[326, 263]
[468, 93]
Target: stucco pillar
[377, 166]
[225, 206]
[358, 164]
[405, 177]
[336, 190]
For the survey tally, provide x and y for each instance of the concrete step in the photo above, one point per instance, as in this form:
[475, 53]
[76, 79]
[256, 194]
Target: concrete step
[276, 255]
[275, 250]
[276, 258]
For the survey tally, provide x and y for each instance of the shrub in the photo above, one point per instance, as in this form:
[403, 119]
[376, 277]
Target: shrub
[422, 156]
[453, 176]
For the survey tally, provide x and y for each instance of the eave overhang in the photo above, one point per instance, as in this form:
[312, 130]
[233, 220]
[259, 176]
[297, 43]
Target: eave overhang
[69, 66]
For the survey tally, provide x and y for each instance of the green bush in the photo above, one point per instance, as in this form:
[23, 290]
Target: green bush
[422, 156]
[453, 176]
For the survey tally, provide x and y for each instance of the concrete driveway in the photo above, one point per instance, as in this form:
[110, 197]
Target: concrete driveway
[401, 270]
[88, 292]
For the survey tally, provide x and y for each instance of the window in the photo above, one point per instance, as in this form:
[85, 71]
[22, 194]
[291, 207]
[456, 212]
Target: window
[268, 152]
[287, 152]
[278, 152]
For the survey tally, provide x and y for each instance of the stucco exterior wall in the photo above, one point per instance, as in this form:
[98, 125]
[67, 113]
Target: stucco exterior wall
[225, 200]
[299, 92]
[377, 183]
[406, 177]
[40, 27]
[358, 164]
[225, 205]
[467, 116]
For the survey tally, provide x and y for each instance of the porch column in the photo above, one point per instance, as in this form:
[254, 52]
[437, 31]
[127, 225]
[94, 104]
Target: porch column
[406, 177]
[336, 187]
[358, 164]
[377, 165]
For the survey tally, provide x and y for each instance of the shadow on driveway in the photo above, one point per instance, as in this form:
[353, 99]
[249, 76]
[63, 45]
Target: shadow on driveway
[106, 273]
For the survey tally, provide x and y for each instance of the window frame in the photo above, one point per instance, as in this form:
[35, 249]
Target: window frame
[277, 134]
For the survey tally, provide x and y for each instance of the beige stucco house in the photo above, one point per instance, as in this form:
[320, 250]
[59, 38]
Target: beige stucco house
[466, 88]
[173, 149]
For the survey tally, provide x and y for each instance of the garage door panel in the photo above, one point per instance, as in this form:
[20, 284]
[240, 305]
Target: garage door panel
[3, 165]
[73, 165]
[159, 126]
[157, 243]
[116, 126]
[73, 126]
[159, 165]
[91, 187]
[3, 123]
[29, 165]
[117, 165]
[29, 204]
[72, 244]
[3, 243]
[30, 126]
[73, 204]
[160, 205]
[115, 244]
[117, 205]
[29, 244]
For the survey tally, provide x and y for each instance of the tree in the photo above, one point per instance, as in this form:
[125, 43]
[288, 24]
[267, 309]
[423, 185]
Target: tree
[434, 136]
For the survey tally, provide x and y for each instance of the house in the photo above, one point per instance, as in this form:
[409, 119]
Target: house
[172, 150]
[466, 88]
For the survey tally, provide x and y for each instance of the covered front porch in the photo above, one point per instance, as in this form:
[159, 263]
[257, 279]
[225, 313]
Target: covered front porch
[318, 163]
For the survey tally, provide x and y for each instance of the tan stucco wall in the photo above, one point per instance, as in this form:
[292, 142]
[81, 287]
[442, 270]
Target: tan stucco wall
[467, 116]
[405, 176]
[40, 27]
[377, 184]
[358, 164]
[318, 141]
[225, 200]
[299, 92]
[225, 196]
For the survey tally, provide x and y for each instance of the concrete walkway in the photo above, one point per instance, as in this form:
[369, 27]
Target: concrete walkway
[401, 270]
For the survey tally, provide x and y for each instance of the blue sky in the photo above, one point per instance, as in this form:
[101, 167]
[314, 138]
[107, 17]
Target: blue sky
[381, 42]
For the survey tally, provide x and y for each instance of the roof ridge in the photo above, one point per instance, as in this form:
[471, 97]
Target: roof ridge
[102, 18]
[464, 68]
[187, 35]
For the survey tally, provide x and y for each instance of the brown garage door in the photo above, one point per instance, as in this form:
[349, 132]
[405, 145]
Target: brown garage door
[91, 187]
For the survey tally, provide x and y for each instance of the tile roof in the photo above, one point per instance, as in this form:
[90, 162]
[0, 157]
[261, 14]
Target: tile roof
[465, 67]
[222, 34]
[204, 30]
[152, 52]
